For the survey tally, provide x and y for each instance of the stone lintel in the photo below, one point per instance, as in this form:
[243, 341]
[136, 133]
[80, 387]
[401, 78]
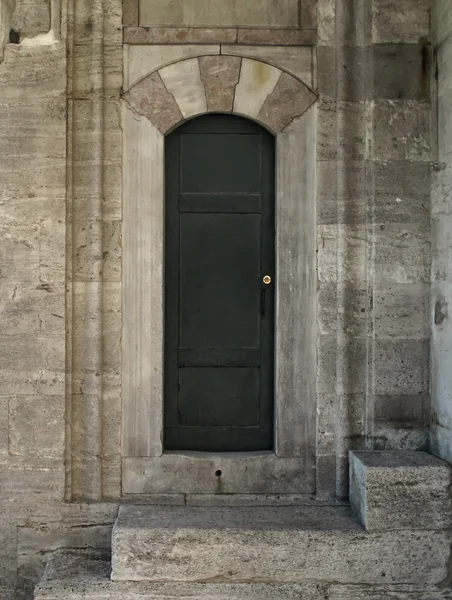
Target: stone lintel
[400, 489]
[221, 35]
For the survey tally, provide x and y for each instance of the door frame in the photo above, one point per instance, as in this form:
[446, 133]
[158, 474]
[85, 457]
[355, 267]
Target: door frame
[290, 468]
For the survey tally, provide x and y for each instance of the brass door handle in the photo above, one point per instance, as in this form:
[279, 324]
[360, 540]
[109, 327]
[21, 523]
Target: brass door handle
[267, 279]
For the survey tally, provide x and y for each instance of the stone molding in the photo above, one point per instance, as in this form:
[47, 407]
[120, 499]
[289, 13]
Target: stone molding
[203, 35]
[220, 83]
[153, 106]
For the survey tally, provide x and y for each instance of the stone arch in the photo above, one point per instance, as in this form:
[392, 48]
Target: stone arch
[225, 84]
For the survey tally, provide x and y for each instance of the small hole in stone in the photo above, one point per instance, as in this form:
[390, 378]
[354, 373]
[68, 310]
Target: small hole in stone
[218, 473]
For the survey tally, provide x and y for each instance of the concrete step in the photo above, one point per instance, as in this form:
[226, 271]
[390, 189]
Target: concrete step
[270, 545]
[84, 575]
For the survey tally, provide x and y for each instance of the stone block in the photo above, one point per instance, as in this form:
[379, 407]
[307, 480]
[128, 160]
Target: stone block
[31, 17]
[220, 75]
[401, 366]
[402, 254]
[353, 23]
[341, 192]
[179, 35]
[257, 81]
[219, 13]
[401, 71]
[289, 99]
[402, 411]
[401, 130]
[342, 131]
[84, 575]
[326, 364]
[277, 37]
[402, 191]
[384, 592]
[140, 61]
[272, 544]
[404, 22]
[36, 425]
[402, 311]
[400, 490]
[183, 82]
[296, 60]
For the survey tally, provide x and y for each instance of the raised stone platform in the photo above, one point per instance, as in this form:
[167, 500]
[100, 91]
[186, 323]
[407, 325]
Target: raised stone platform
[269, 544]
[400, 489]
[84, 575]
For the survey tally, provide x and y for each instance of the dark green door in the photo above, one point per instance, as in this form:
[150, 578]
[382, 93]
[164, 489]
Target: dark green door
[219, 313]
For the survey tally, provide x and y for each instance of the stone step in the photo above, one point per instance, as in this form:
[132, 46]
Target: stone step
[400, 489]
[84, 575]
[270, 545]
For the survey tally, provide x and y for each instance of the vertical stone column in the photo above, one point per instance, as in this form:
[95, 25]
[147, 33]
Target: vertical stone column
[95, 268]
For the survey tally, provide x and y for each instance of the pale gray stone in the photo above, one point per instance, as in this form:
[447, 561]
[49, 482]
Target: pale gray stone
[296, 60]
[402, 311]
[401, 71]
[257, 81]
[406, 22]
[143, 280]
[183, 82]
[277, 37]
[239, 472]
[31, 17]
[77, 575]
[269, 544]
[179, 35]
[401, 130]
[385, 592]
[36, 425]
[218, 13]
[140, 61]
[252, 500]
[400, 490]
[401, 366]
[402, 411]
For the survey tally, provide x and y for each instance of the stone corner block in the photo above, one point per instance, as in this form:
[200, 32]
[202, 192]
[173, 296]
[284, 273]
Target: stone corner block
[400, 489]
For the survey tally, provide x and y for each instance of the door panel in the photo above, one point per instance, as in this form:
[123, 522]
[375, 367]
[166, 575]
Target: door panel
[219, 315]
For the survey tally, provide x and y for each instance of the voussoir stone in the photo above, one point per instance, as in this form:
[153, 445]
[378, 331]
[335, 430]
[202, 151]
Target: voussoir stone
[290, 99]
[220, 75]
[150, 98]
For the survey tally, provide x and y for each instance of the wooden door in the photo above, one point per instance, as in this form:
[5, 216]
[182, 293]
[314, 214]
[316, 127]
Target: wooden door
[219, 313]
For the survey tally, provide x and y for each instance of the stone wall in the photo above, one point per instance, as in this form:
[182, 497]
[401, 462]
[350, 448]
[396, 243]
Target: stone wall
[61, 259]
[441, 384]
[373, 229]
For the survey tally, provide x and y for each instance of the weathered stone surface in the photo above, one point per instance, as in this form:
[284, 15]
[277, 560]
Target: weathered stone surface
[403, 412]
[342, 128]
[31, 17]
[295, 60]
[396, 592]
[400, 490]
[401, 71]
[401, 366]
[193, 473]
[183, 81]
[269, 544]
[401, 130]
[129, 13]
[402, 254]
[251, 500]
[402, 191]
[401, 311]
[257, 81]
[289, 99]
[404, 22]
[223, 13]
[277, 37]
[220, 75]
[77, 575]
[140, 61]
[179, 35]
[32, 416]
[151, 99]
[341, 192]
[342, 73]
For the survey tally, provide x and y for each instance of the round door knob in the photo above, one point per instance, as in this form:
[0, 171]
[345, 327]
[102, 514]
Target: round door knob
[267, 279]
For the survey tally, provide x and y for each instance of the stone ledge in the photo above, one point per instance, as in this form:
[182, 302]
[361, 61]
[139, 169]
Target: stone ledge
[204, 35]
[270, 545]
[84, 575]
[400, 489]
